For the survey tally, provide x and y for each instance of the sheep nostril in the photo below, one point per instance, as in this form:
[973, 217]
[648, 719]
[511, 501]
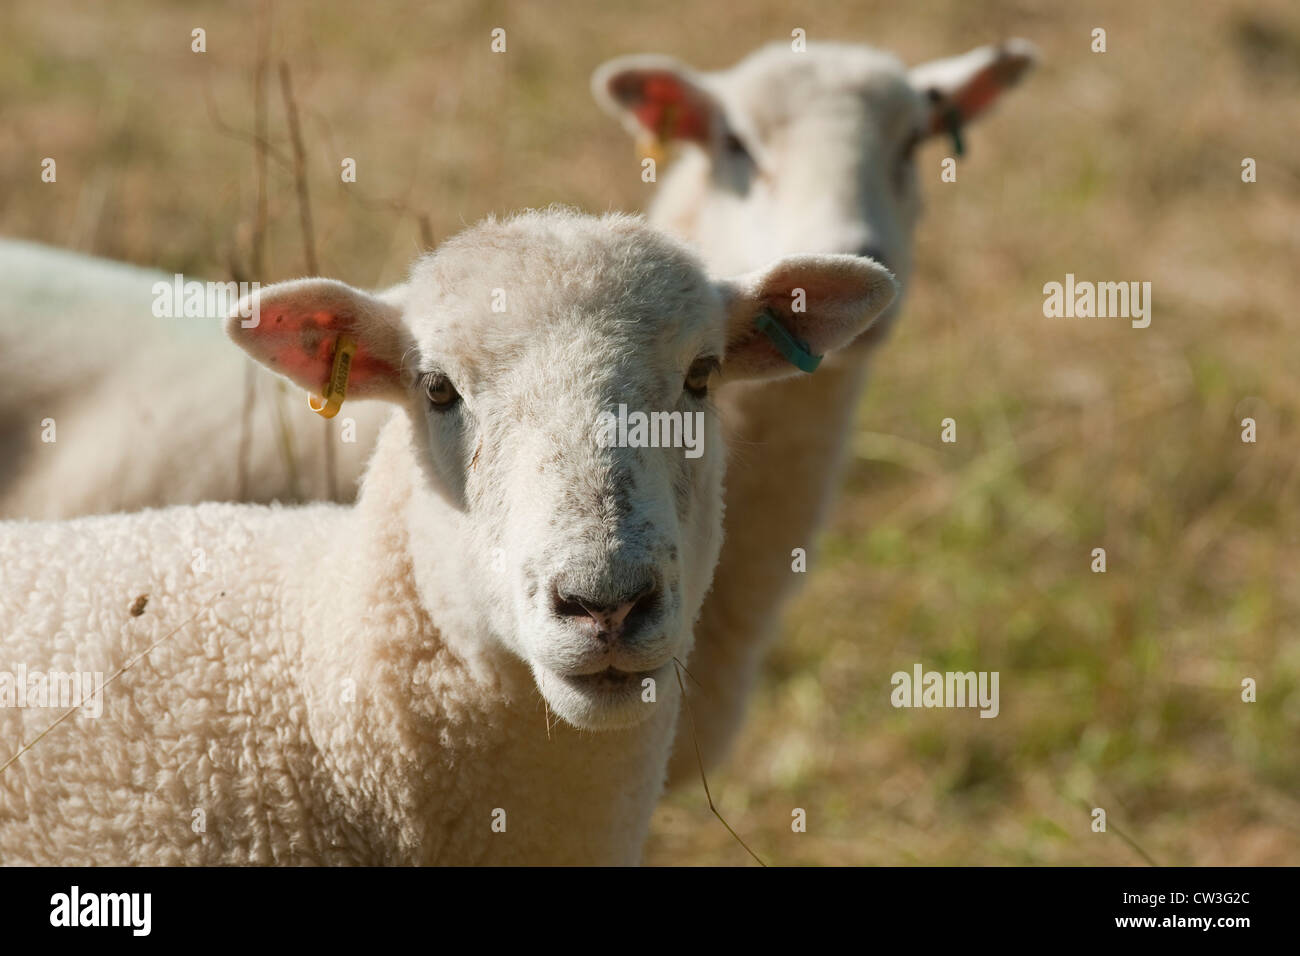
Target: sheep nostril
[566, 605]
[640, 608]
[608, 619]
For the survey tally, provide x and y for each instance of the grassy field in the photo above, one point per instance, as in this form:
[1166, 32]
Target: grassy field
[1118, 690]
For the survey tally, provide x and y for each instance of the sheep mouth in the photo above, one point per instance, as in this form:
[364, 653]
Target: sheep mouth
[615, 681]
[607, 699]
[610, 678]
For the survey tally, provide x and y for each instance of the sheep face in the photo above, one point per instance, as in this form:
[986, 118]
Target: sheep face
[556, 368]
[801, 151]
[591, 547]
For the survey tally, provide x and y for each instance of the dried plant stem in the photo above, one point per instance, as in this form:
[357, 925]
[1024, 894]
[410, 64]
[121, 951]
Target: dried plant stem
[308, 244]
[700, 760]
[260, 142]
[285, 431]
[299, 170]
[245, 430]
[258, 242]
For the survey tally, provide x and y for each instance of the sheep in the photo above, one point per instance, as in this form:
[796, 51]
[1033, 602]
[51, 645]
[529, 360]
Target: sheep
[358, 684]
[789, 152]
[106, 407]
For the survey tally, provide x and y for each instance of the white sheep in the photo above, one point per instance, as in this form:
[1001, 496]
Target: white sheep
[358, 684]
[106, 407]
[789, 152]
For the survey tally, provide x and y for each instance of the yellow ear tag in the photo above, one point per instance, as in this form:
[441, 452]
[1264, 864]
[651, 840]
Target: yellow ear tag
[650, 146]
[653, 143]
[336, 389]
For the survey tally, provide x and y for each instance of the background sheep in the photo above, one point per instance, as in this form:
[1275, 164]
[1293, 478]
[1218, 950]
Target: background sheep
[355, 684]
[107, 407]
[789, 151]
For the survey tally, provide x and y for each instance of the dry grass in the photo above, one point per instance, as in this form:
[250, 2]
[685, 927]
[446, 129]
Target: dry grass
[1118, 690]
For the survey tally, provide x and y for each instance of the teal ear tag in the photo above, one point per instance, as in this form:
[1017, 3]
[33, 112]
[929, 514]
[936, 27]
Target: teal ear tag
[795, 351]
[952, 119]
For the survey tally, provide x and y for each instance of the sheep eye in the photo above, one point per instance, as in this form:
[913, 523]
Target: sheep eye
[698, 375]
[441, 393]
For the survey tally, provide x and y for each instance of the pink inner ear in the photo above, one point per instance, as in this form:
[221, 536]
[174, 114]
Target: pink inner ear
[667, 107]
[822, 320]
[301, 347]
[977, 95]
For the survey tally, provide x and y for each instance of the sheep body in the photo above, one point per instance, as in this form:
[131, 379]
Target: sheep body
[146, 411]
[747, 187]
[241, 714]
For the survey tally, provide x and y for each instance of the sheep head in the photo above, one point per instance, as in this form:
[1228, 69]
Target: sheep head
[556, 371]
[801, 151]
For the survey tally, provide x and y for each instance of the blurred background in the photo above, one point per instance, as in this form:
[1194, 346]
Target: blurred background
[1119, 690]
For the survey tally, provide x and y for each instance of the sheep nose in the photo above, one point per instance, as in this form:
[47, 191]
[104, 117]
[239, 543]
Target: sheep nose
[606, 618]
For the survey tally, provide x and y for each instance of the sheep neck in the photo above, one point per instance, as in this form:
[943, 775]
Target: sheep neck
[786, 443]
[455, 736]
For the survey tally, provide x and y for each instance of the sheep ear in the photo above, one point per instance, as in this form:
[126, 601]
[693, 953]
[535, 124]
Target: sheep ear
[658, 97]
[962, 88]
[780, 320]
[293, 328]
